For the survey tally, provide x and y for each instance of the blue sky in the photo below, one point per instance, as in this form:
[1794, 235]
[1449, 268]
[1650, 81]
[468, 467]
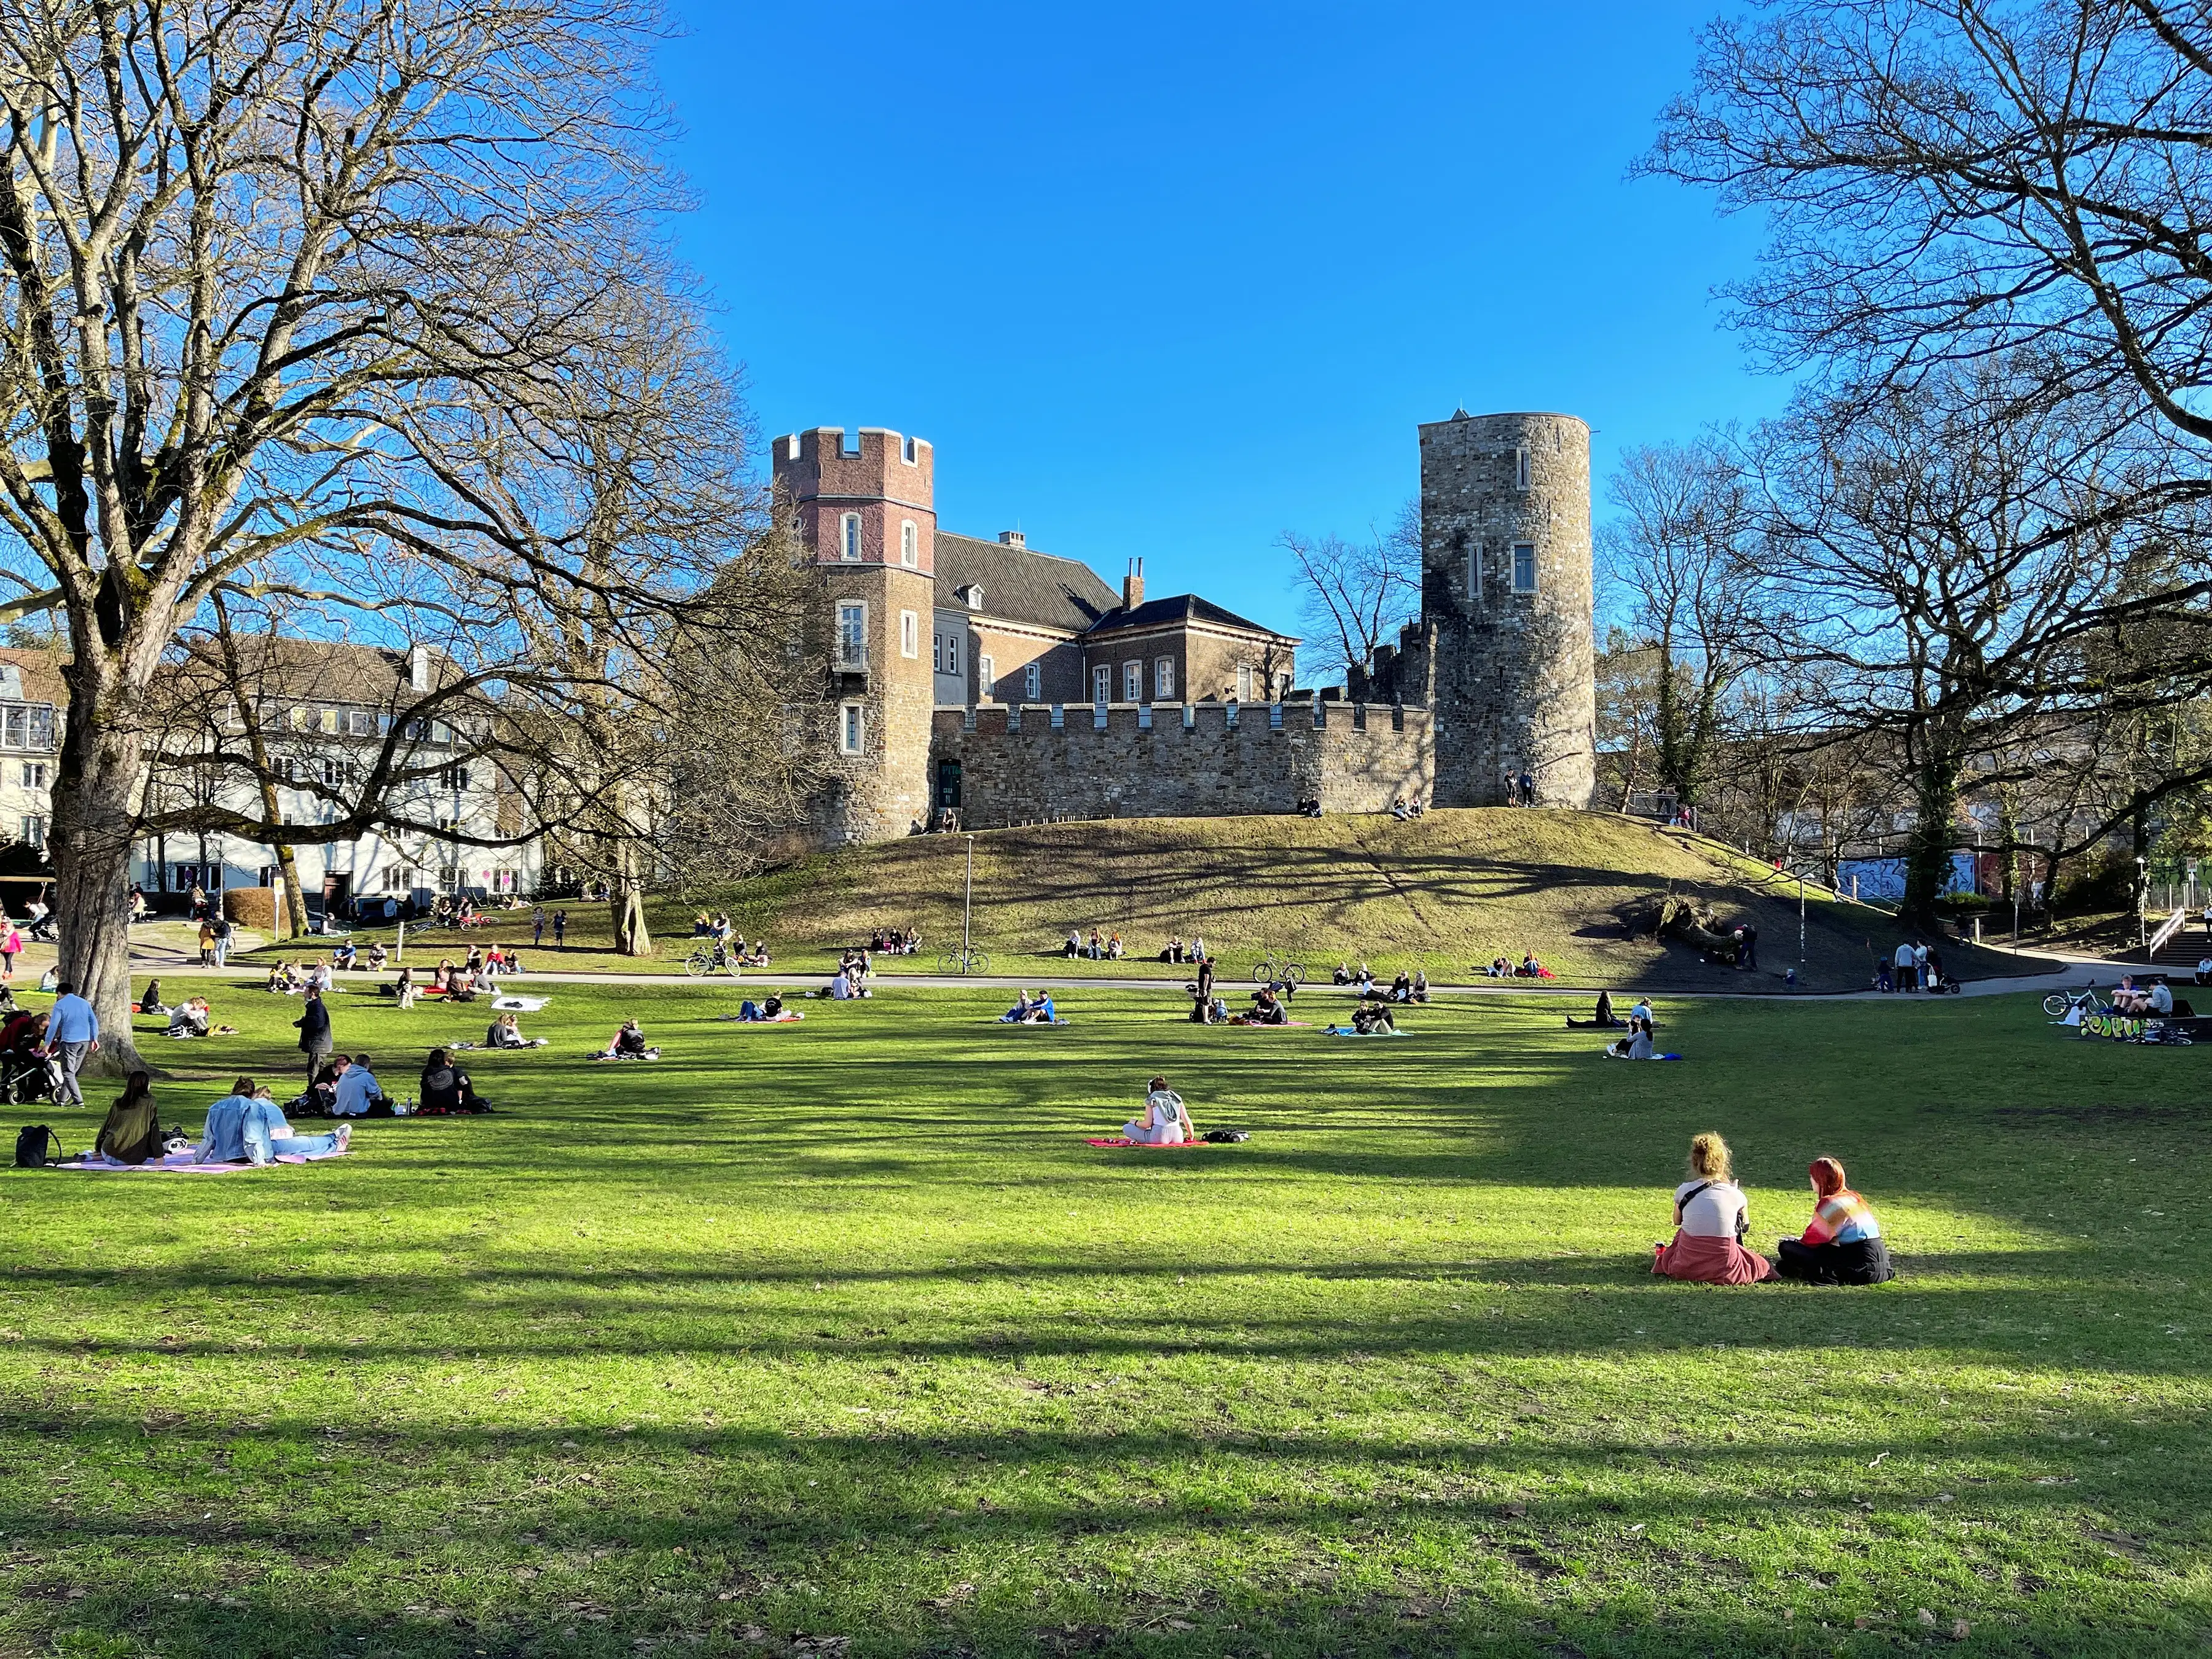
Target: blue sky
[1167, 281]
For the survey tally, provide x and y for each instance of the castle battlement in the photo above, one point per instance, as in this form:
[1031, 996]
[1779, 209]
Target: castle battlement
[878, 465]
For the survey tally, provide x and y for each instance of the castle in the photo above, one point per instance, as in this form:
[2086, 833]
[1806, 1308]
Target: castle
[1041, 692]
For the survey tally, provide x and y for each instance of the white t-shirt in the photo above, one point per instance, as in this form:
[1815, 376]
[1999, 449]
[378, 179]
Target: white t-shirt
[1713, 1212]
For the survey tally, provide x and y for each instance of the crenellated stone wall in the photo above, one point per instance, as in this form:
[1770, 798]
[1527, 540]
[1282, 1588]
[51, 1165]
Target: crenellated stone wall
[1017, 766]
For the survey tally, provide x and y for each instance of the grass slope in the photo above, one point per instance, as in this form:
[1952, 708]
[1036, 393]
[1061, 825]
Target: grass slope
[837, 1333]
[1449, 891]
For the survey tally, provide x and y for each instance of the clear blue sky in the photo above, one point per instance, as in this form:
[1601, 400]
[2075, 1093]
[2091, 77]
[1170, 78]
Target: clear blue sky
[1167, 281]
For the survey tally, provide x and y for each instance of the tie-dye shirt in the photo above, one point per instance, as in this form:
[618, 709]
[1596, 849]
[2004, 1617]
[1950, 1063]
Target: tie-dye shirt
[1842, 1217]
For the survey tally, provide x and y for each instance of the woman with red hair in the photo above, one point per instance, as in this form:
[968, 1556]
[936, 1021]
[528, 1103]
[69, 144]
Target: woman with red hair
[1844, 1244]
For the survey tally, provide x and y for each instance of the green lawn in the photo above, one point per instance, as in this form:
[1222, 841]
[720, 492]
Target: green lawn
[839, 1334]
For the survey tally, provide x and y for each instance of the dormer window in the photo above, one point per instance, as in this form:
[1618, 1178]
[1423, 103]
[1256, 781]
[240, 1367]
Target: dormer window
[970, 594]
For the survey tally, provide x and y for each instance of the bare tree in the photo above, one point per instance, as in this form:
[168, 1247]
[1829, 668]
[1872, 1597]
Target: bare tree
[1357, 595]
[297, 293]
[1678, 550]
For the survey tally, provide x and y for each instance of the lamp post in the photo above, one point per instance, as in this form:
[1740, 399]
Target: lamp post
[2143, 894]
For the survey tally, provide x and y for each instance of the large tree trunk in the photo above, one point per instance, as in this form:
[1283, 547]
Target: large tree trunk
[1928, 850]
[632, 936]
[100, 771]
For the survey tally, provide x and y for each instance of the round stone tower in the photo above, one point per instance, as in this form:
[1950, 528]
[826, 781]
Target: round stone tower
[1505, 594]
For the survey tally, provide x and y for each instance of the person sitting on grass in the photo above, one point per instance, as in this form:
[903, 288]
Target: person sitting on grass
[754, 1013]
[1637, 1045]
[1341, 977]
[2161, 998]
[1164, 1121]
[1842, 1245]
[358, 1091]
[378, 956]
[245, 1127]
[279, 982]
[345, 956]
[404, 988]
[1603, 1019]
[151, 1003]
[506, 1032]
[1711, 1216]
[461, 986]
[131, 1132]
[189, 1018]
[1401, 988]
[1267, 1008]
[628, 1043]
[1075, 946]
[1370, 1017]
[1020, 1012]
[1420, 990]
[448, 1090]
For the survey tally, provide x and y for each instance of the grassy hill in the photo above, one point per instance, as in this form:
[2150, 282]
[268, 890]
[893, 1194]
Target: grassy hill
[1449, 891]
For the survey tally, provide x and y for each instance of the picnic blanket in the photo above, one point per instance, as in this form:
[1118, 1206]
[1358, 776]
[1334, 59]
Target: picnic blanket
[507, 1003]
[181, 1163]
[1119, 1141]
[466, 1046]
[1003, 1020]
[600, 1053]
[1380, 1030]
[1265, 1025]
[789, 1016]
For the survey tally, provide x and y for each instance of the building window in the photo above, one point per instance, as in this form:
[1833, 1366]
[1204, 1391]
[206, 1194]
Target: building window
[853, 636]
[1102, 685]
[910, 544]
[1244, 684]
[398, 878]
[1519, 469]
[852, 729]
[455, 778]
[35, 832]
[361, 723]
[910, 452]
[1524, 569]
[985, 680]
[34, 774]
[1163, 679]
[848, 538]
[1032, 683]
[909, 634]
[1132, 681]
[952, 654]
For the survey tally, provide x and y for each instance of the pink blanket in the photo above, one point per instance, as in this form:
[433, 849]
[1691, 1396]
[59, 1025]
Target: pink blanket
[181, 1163]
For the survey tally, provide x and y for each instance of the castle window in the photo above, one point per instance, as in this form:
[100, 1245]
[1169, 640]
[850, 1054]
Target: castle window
[985, 680]
[1132, 681]
[852, 636]
[1244, 684]
[908, 453]
[1102, 685]
[1524, 569]
[910, 543]
[1519, 469]
[1163, 679]
[852, 728]
[848, 543]
[1031, 683]
[909, 634]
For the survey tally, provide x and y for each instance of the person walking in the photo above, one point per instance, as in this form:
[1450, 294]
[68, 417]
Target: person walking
[315, 1023]
[207, 942]
[72, 1033]
[537, 924]
[560, 929]
[11, 946]
[222, 938]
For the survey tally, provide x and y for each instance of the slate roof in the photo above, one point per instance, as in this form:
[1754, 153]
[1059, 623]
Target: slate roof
[1182, 608]
[1022, 585]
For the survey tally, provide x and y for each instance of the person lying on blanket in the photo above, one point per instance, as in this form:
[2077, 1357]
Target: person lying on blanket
[245, 1126]
[1165, 1121]
[629, 1044]
[763, 1013]
[1267, 1008]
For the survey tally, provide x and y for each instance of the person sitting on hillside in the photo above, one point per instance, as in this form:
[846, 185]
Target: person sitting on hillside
[1174, 952]
[1341, 977]
[51, 980]
[628, 1043]
[189, 1018]
[378, 956]
[1711, 1216]
[1372, 1016]
[279, 982]
[1115, 948]
[1398, 809]
[345, 956]
[1637, 1045]
[446, 1089]
[461, 985]
[151, 1002]
[1419, 992]
[474, 965]
[1364, 977]
[1164, 1121]
[1401, 988]
[1843, 1244]
[1498, 968]
[1603, 1018]
[1267, 1008]
[1074, 945]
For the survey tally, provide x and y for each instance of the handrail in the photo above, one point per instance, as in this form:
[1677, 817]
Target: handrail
[2167, 929]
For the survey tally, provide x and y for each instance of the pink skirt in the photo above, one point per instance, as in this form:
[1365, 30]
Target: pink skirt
[1710, 1261]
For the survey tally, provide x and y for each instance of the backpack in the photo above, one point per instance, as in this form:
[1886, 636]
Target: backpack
[31, 1142]
[1226, 1136]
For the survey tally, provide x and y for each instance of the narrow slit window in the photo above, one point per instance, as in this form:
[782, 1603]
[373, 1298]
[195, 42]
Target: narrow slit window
[1519, 469]
[848, 543]
[910, 544]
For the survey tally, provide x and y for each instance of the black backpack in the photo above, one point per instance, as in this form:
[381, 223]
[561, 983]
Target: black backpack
[1226, 1136]
[31, 1143]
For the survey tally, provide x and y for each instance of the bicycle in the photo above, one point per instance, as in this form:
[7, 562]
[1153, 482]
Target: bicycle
[1270, 972]
[962, 961]
[703, 962]
[2059, 1003]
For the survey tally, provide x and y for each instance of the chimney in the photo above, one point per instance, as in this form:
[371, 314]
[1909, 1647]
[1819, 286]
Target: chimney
[1013, 539]
[418, 668]
[1132, 585]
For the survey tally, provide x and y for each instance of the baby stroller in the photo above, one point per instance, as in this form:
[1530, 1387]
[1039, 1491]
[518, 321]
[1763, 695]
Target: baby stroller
[26, 1076]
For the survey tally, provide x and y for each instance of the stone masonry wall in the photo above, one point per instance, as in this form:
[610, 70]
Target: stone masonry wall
[1017, 768]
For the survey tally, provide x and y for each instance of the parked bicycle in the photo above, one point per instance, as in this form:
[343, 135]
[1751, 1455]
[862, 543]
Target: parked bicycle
[962, 961]
[1269, 971]
[2059, 1003]
[705, 961]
